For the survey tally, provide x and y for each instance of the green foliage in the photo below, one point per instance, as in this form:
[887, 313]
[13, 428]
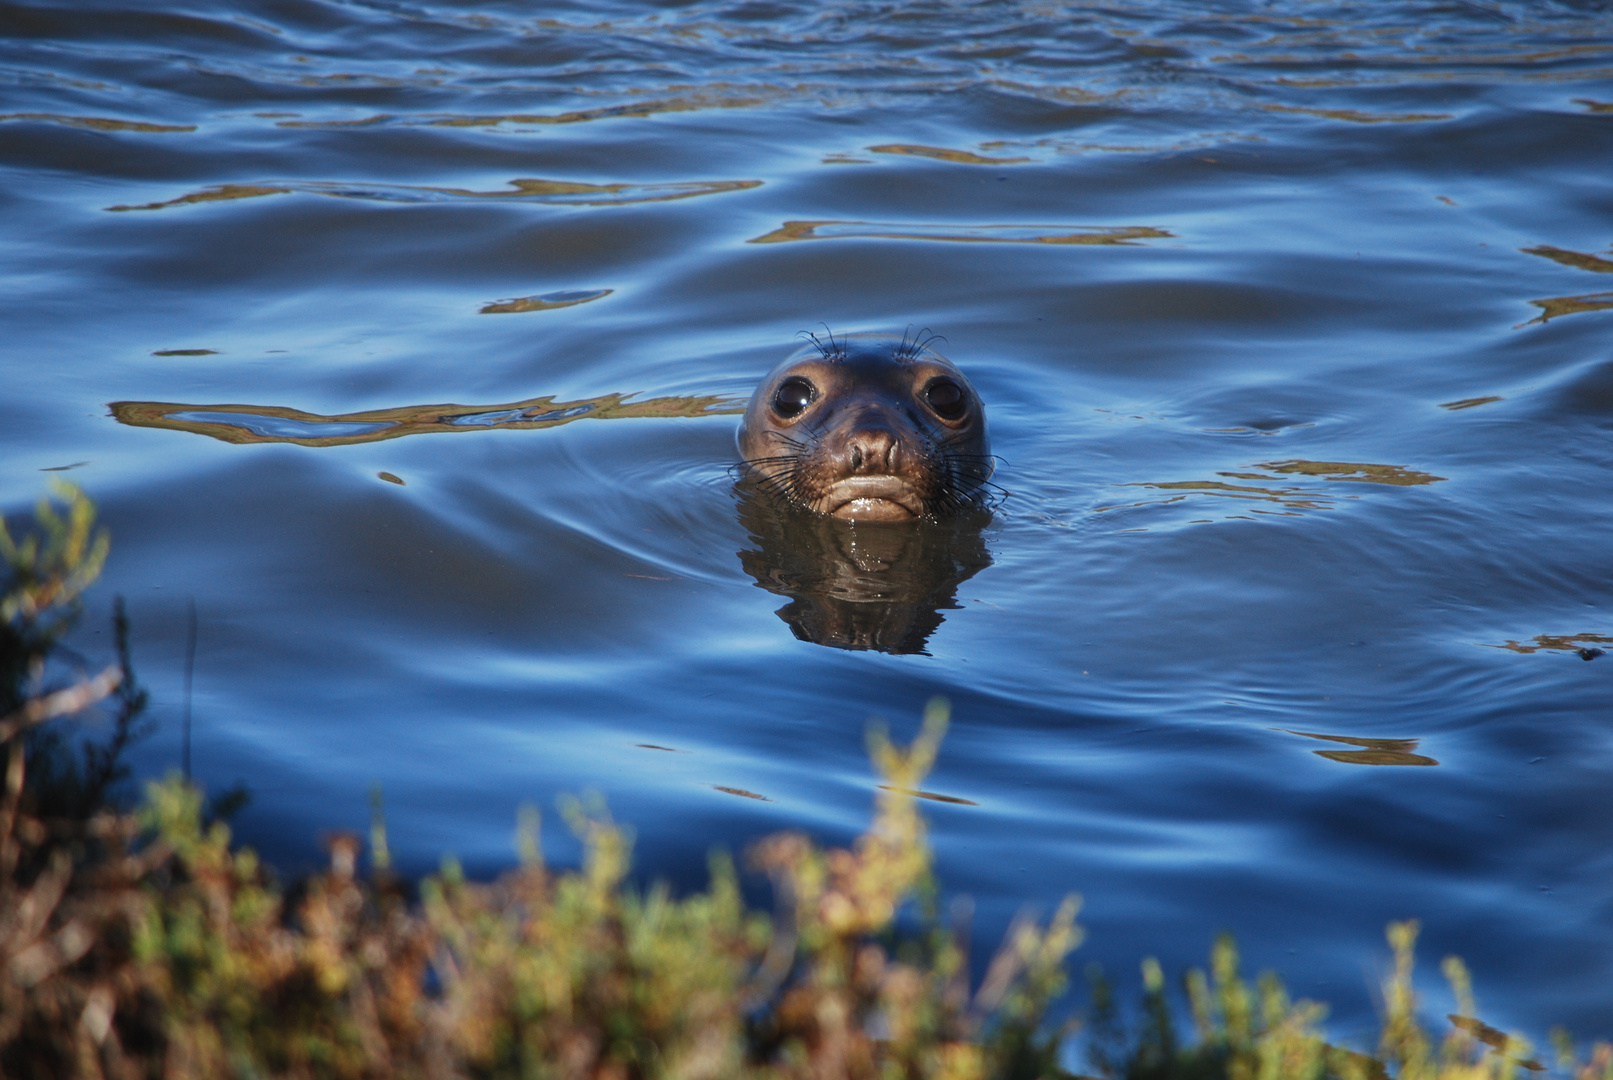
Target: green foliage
[1258, 1033]
[538, 974]
[49, 570]
[42, 574]
[145, 945]
[46, 571]
[71, 779]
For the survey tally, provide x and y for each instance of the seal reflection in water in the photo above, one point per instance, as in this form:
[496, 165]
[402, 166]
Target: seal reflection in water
[853, 586]
[865, 459]
[868, 428]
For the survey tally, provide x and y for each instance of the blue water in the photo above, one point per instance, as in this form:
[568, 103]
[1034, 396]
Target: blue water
[1293, 326]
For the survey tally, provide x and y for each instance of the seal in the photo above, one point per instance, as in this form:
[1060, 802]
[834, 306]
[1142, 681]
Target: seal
[868, 428]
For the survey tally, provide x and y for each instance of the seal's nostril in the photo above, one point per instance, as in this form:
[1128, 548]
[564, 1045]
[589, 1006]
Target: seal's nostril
[873, 450]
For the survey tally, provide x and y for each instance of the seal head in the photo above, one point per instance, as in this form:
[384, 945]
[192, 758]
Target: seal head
[868, 428]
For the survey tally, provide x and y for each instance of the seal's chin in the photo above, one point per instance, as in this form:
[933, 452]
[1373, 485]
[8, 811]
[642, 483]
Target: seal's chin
[872, 498]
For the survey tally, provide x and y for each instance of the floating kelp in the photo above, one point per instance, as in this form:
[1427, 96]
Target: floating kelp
[689, 103]
[278, 424]
[1470, 403]
[1596, 264]
[1352, 471]
[1556, 643]
[545, 301]
[967, 234]
[1292, 499]
[957, 157]
[741, 792]
[1357, 116]
[932, 796]
[216, 193]
[1557, 306]
[1372, 752]
[559, 192]
[99, 123]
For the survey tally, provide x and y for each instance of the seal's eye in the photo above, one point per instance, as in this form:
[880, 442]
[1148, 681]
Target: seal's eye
[793, 395]
[946, 398]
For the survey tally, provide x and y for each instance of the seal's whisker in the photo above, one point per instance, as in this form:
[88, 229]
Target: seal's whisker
[783, 470]
[914, 345]
[797, 444]
[996, 487]
[773, 483]
[833, 350]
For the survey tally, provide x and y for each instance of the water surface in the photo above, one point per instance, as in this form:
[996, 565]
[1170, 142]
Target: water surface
[404, 339]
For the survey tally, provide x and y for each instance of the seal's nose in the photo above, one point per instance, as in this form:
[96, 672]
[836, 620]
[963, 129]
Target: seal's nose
[872, 448]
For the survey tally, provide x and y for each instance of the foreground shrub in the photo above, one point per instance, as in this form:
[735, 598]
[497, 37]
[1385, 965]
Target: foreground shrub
[1245, 1032]
[143, 944]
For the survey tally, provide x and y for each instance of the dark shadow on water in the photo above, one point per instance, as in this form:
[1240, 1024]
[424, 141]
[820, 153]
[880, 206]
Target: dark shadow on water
[868, 586]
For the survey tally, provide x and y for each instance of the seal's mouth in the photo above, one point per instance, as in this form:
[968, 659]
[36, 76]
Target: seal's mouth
[872, 498]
